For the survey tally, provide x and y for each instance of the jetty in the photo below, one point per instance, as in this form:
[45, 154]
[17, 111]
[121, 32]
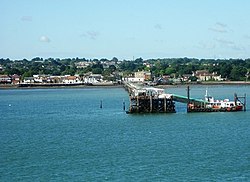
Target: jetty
[154, 100]
[149, 99]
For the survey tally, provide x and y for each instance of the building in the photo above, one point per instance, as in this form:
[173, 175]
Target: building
[93, 78]
[28, 80]
[71, 80]
[185, 77]
[16, 79]
[5, 79]
[204, 75]
[139, 76]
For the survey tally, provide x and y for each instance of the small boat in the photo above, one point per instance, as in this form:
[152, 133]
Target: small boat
[225, 104]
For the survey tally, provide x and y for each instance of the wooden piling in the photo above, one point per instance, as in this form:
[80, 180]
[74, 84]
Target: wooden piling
[245, 102]
[165, 104]
[188, 96]
[150, 104]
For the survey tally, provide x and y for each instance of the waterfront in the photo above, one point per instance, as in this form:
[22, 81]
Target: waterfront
[64, 135]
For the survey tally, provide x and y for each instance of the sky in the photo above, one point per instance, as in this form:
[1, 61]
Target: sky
[126, 29]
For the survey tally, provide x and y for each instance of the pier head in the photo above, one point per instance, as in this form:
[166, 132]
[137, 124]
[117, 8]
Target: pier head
[149, 99]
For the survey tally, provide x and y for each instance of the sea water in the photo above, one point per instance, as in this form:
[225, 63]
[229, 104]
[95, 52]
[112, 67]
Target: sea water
[65, 135]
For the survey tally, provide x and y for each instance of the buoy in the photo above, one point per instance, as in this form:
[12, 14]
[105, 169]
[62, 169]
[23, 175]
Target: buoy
[9, 105]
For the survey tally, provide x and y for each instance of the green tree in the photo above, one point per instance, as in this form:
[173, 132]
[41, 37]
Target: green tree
[97, 71]
[238, 73]
[225, 70]
[169, 71]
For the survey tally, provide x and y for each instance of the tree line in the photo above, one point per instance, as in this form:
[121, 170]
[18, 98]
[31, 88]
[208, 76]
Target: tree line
[232, 69]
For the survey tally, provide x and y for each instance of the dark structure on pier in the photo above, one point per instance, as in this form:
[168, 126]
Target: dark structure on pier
[149, 100]
[149, 104]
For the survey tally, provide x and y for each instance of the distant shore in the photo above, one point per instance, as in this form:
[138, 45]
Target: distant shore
[56, 86]
[39, 86]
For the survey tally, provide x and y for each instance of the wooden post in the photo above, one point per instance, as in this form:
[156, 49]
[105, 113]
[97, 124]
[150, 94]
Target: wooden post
[151, 104]
[188, 96]
[123, 105]
[245, 102]
[165, 104]
[130, 104]
[137, 103]
[235, 99]
[101, 104]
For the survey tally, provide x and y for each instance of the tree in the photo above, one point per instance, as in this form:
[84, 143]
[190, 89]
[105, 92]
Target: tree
[193, 78]
[169, 71]
[238, 72]
[114, 59]
[97, 71]
[225, 70]
[112, 68]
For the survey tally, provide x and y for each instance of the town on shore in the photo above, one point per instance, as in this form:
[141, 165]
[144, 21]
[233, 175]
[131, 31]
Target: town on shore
[104, 72]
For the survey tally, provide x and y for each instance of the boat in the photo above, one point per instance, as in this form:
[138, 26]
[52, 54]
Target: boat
[221, 105]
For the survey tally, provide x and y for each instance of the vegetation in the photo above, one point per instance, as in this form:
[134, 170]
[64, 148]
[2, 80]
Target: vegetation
[232, 69]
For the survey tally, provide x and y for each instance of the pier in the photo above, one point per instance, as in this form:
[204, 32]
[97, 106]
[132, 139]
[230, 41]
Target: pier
[149, 100]
[155, 100]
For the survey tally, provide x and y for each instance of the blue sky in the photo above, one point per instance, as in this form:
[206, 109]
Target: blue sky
[124, 29]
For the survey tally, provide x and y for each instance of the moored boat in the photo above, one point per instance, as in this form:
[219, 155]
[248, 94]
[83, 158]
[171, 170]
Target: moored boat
[225, 104]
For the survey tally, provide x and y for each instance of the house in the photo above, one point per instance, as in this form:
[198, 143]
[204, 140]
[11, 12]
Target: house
[204, 75]
[41, 78]
[133, 79]
[56, 79]
[16, 79]
[143, 75]
[28, 80]
[139, 76]
[147, 75]
[185, 77]
[83, 64]
[71, 79]
[5, 79]
[93, 78]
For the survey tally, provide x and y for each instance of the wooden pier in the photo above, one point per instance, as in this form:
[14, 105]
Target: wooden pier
[149, 100]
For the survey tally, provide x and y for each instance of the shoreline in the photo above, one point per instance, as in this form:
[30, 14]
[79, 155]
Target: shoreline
[55, 86]
[44, 86]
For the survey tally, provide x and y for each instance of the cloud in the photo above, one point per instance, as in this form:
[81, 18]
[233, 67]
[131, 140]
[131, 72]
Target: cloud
[44, 39]
[219, 27]
[229, 44]
[90, 34]
[158, 26]
[27, 18]
[224, 41]
[246, 36]
[206, 45]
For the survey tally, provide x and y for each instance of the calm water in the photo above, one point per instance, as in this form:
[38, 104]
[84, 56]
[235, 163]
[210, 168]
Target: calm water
[63, 135]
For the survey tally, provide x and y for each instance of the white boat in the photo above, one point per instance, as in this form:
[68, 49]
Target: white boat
[225, 104]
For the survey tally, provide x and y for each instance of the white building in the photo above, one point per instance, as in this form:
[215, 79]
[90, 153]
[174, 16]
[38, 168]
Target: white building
[71, 80]
[93, 78]
[139, 76]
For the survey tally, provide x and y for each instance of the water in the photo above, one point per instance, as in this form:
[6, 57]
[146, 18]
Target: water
[64, 135]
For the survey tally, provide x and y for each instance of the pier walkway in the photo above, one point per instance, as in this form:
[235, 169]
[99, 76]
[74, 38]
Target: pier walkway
[184, 99]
